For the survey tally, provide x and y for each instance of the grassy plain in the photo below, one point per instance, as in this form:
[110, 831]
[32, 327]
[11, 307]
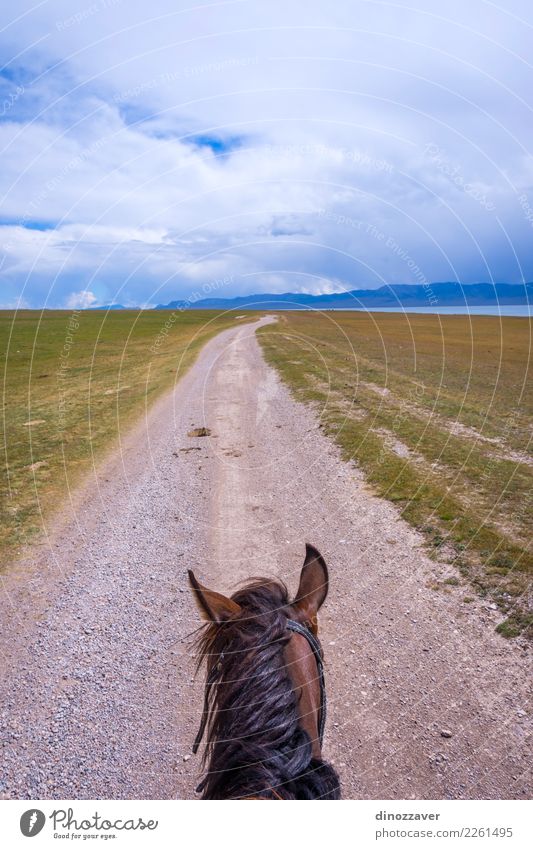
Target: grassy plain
[72, 383]
[438, 413]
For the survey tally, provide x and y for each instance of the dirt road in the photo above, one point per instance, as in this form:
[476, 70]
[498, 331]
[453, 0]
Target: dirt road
[97, 692]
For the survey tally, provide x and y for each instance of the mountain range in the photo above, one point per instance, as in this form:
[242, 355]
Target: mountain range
[401, 295]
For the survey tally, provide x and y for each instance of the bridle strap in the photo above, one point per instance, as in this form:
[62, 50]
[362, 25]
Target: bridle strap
[304, 631]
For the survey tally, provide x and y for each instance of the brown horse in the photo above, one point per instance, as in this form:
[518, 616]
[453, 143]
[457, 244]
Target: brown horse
[264, 709]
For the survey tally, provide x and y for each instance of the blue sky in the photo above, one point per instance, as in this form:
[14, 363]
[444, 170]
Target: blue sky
[154, 151]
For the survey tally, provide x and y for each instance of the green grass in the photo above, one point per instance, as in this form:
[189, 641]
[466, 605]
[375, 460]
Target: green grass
[435, 411]
[81, 379]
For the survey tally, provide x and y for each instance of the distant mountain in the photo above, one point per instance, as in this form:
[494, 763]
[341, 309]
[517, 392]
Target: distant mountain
[401, 295]
[110, 307]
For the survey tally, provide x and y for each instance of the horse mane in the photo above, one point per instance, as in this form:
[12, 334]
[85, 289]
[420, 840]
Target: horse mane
[254, 744]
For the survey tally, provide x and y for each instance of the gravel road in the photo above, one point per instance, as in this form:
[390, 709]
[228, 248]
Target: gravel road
[97, 692]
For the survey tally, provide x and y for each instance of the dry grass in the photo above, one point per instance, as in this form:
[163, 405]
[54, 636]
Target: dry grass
[435, 411]
[72, 384]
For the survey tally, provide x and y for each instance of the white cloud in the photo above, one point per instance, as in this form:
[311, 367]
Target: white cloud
[81, 300]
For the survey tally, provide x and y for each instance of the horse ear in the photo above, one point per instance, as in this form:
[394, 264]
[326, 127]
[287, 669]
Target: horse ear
[313, 587]
[213, 606]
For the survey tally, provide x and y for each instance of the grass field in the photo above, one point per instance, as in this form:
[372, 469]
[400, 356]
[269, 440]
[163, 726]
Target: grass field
[438, 413]
[72, 382]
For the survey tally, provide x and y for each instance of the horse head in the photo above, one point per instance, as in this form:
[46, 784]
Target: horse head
[265, 695]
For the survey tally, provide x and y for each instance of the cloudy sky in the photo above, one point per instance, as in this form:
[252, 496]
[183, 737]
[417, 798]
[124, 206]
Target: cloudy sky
[156, 150]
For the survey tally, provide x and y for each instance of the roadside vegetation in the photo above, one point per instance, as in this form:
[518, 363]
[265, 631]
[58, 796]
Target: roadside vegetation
[72, 384]
[438, 412]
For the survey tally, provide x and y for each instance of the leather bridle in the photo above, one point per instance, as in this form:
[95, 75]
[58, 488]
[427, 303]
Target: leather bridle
[297, 628]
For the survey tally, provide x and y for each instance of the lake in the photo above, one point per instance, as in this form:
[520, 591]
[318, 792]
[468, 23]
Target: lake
[523, 310]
